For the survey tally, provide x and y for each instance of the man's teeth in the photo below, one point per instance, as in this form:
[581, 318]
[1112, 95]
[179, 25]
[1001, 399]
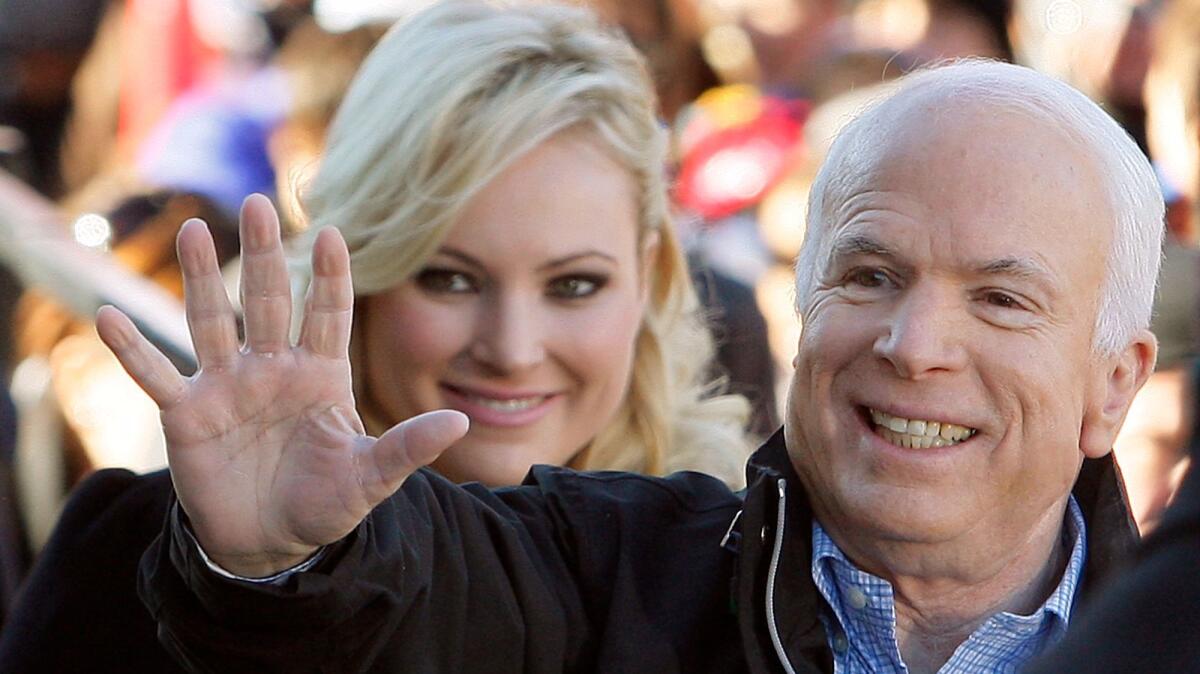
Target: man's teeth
[508, 405]
[918, 433]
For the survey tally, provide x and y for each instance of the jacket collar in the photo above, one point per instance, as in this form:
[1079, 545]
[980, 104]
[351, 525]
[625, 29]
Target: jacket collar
[1112, 535]
[770, 460]
[795, 605]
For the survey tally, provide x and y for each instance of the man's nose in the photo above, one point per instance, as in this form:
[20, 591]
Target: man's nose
[923, 334]
[510, 335]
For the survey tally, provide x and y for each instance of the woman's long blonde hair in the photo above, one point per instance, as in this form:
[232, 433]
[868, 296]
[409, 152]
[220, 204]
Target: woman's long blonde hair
[444, 103]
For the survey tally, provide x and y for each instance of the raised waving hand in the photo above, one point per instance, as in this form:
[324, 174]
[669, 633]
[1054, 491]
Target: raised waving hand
[268, 455]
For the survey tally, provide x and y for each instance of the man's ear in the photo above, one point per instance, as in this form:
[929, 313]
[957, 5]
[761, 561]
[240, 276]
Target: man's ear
[1124, 374]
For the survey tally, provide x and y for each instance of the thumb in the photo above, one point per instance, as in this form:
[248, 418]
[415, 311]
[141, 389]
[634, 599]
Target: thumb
[416, 442]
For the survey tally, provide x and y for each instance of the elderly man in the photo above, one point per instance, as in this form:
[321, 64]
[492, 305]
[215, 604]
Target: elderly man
[974, 288]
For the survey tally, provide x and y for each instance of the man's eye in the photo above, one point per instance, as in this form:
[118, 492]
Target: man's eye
[867, 277]
[575, 287]
[445, 281]
[1002, 300]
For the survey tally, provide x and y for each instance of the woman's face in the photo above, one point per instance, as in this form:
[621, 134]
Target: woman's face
[525, 318]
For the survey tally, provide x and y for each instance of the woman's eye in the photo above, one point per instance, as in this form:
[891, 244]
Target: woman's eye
[575, 287]
[445, 281]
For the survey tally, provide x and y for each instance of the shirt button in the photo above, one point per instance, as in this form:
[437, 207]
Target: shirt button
[840, 644]
[856, 598]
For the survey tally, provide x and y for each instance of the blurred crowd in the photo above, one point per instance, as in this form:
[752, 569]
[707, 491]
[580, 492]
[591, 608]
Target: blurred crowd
[119, 119]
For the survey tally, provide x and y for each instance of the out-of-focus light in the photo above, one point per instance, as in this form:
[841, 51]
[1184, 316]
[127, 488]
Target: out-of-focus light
[732, 105]
[230, 25]
[722, 11]
[728, 48]
[92, 230]
[890, 24]
[775, 17]
[116, 421]
[337, 16]
[1064, 17]
[737, 173]
[775, 294]
[12, 140]
[727, 168]
[781, 217]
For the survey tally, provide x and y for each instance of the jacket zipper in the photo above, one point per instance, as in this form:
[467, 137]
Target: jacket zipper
[771, 627]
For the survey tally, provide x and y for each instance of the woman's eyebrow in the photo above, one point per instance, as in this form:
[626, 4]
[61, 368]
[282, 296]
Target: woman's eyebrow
[574, 257]
[470, 260]
[459, 255]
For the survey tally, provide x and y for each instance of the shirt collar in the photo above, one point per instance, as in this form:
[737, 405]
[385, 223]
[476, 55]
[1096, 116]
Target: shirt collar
[864, 609]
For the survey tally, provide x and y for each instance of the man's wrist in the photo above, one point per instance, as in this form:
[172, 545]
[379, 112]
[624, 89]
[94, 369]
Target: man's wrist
[271, 576]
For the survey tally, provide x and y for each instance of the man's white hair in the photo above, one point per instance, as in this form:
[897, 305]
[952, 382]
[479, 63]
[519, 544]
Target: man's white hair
[1127, 297]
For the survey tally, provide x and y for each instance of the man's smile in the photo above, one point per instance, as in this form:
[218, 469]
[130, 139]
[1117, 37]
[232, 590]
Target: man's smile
[918, 433]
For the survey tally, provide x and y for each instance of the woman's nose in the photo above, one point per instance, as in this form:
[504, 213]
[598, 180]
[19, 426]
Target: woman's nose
[510, 335]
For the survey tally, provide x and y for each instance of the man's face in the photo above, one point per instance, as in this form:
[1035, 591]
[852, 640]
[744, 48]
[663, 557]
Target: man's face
[945, 369]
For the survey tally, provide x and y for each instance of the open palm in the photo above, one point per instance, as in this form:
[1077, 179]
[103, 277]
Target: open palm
[268, 455]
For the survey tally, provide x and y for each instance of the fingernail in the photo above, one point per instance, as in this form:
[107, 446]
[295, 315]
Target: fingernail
[194, 257]
[260, 228]
[194, 222]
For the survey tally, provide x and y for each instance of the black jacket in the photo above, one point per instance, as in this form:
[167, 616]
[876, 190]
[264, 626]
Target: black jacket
[78, 610]
[1149, 620]
[572, 572]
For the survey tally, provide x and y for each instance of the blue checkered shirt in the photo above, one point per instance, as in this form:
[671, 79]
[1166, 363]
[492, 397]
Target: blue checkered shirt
[860, 619]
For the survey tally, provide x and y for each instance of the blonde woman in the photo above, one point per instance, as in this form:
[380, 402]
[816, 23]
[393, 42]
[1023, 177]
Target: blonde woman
[497, 177]
[502, 148]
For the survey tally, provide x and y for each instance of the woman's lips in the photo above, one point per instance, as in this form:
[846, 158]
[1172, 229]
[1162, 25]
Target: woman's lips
[508, 410]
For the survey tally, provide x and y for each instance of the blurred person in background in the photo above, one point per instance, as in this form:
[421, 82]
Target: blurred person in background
[172, 92]
[122, 62]
[1124, 89]
[504, 202]
[1148, 621]
[733, 144]
[316, 66]
[926, 31]
[77, 411]
[41, 46]
[139, 234]
[966, 28]
[14, 547]
[1152, 447]
[667, 33]
[779, 45]
[120, 71]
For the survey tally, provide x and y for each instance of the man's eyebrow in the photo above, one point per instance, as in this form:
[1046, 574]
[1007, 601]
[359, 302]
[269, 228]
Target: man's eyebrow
[858, 244]
[1025, 269]
[1020, 267]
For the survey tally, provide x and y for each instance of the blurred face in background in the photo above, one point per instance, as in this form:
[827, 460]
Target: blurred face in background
[525, 318]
